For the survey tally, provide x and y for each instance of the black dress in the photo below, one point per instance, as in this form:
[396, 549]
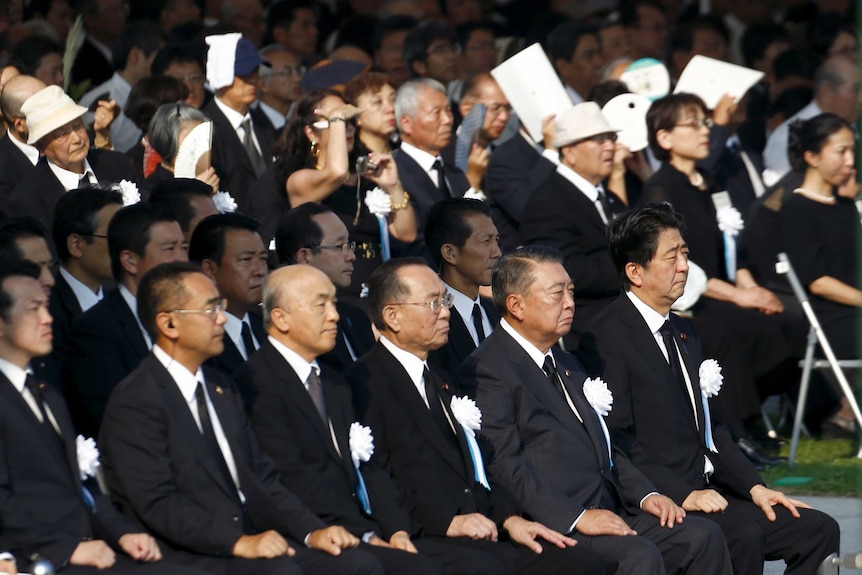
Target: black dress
[820, 240]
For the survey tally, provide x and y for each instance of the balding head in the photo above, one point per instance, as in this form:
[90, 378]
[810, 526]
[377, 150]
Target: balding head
[15, 93]
[299, 310]
[836, 88]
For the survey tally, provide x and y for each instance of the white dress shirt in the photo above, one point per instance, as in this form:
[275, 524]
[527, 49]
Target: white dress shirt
[235, 119]
[187, 382]
[426, 162]
[71, 180]
[132, 302]
[233, 328]
[414, 366]
[587, 188]
[18, 377]
[277, 118]
[85, 296]
[464, 306]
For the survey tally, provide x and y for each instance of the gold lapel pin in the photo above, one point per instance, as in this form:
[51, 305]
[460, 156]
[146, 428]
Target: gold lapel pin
[445, 386]
[682, 336]
[568, 373]
[42, 386]
[219, 390]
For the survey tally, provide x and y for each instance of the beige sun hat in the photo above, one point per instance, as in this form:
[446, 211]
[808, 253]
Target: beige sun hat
[48, 109]
[579, 122]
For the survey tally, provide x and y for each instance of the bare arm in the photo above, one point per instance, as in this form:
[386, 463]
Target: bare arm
[835, 290]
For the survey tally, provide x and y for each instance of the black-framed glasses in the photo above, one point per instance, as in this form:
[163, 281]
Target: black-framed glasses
[345, 247]
[697, 124]
[212, 311]
[444, 50]
[435, 305]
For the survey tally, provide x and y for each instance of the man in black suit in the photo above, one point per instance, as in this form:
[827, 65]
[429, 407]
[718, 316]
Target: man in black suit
[571, 210]
[81, 241]
[462, 240]
[242, 144]
[47, 511]
[425, 123]
[104, 21]
[188, 199]
[17, 157]
[108, 341]
[181, 458]
[430, 451]
[298, 232]
[661, 415]
[230, 252]
[57, 130]
[550, 447]
[303, 415]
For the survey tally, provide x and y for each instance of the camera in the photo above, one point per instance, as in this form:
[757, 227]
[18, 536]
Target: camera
[364, 165]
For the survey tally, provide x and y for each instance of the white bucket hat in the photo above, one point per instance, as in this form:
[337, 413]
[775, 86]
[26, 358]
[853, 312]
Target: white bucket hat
[48, 109]
[580, 122]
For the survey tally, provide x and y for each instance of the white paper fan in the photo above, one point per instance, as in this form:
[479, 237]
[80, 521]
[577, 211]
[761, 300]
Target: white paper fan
[194, 154]
[628, 112]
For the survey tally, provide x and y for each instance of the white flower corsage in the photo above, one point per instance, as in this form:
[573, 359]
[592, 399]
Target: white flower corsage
[88, 456]
[363, 292]
[224, 202]
[379, 203]
[729, 220]
[467, 413]
[710, 377]
[361, 443]
[472, 194]
[599, 396]
[130, 192]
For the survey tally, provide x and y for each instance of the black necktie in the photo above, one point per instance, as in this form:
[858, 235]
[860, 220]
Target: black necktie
[315, 390]
[477, 322]
[250, 149]
[666, 332]
[551, 371]
[84, 182]
[441, 178]
[247, 340]
[34, 387]
[434, 406]
[210, 438]
[605, 203]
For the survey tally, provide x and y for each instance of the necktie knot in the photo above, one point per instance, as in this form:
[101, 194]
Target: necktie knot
[247, 339]
[550, 367]
[666, 330]
[315, 390]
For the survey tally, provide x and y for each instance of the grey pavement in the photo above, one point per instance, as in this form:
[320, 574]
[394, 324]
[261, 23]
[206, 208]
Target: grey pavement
[847, 511]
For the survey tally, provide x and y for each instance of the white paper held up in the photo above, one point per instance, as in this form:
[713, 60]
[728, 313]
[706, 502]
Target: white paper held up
[711, 79]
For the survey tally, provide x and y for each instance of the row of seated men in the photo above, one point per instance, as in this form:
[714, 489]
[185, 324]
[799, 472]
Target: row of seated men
[272, 473]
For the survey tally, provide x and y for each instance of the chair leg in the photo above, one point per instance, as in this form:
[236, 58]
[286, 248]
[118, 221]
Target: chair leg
[803, 394]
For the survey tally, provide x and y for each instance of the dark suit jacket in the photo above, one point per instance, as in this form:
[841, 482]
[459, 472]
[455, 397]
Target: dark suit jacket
[423, 191]
[652, 419]
[65, 309]
[435, 479]
[453, 353]
[91, 64]
[14, 167]
[231, 359]
[353, 323]
[515, 171]
[731, 175]
[163, 475]
[291, 431]
[38, 193]
[40, 487]
[230, 159]
[555, 466]
[105, 345]
[559, 215]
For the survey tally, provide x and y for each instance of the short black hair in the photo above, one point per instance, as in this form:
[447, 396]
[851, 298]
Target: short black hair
[797, 62]
[14, 268]
[385, 287]
[144, 35]
[513, 273]
[564, 39]
[208, 239]
[296, 230]
[633, 236]
[465, 30]
[604, 92]
[175, 196]
[162, 289]
[31, 50]
[757, 38]
[417, 41]
[75, 213]
[664, 114]
[790, 101]
[629, 11]
[822, 30]
[148, 94]
[17, 228]
[282, 13]
[681, 37]
[391, 24]
[129, 229]
[447, 224]
[175, 52]
[810, 136]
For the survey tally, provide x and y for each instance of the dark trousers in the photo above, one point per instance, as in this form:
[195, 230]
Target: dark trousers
[802, 543]
[305, 562]
[126, 566]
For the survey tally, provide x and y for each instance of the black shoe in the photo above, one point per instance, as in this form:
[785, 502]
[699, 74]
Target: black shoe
[750, 449]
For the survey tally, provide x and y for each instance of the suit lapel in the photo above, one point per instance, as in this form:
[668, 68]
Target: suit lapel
[67, 431]
[692, 366]
[460, 341]
[582, 204]
[340, 427]
[131, 329]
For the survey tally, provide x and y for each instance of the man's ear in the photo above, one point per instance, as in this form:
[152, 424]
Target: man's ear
[302, 255]
[419, 67]
[280, 319]
[210, 269]
[129, 262]
[515, 306]
[634, 274]
[406, 125]
[165, 325]
[391, 319]
[73, 245]
[449, 253]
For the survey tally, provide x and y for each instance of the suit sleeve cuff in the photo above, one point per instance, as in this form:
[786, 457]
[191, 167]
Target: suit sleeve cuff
[641, 504]
[575, 522]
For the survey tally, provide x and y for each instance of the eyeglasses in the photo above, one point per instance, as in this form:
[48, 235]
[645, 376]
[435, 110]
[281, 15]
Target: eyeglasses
[497, 109]
[193, 78]
[212, 311]
[697, 124]
[435, 304]
[444, 50]
[288, 71]
[602, 138]
[345, 247]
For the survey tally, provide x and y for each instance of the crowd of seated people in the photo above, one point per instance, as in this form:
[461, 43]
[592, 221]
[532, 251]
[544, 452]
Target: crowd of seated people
[325, 336]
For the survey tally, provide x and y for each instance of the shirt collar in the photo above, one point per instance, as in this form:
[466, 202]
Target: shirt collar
[32, 152]
[132, 302]
[85, 296]
[185, 380]
[414, 366]
[71, 180]
[462, 303]
[423, 158]
[586, 188]
[233, 117]
[120, 89]
[534, 352]
[301, 367]
[274, 115]
[653, 319]
[233, 327]
[14, 374]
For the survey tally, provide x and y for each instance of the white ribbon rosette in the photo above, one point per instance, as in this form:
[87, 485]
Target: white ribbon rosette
[467, 413]
[710, 377]
[224, 202]
[379, 203]
[729, 220]
[361, 443]
[599, 396]
[130, 192]
[88, 456]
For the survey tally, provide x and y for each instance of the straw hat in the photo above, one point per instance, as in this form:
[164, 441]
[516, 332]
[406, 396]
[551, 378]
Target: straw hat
[580, 122]
[48, 109]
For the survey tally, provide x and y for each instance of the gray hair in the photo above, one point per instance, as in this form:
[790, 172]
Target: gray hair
[275, 48]
[513, 273]
[832, 74]
[407, 97]
[164, 129]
